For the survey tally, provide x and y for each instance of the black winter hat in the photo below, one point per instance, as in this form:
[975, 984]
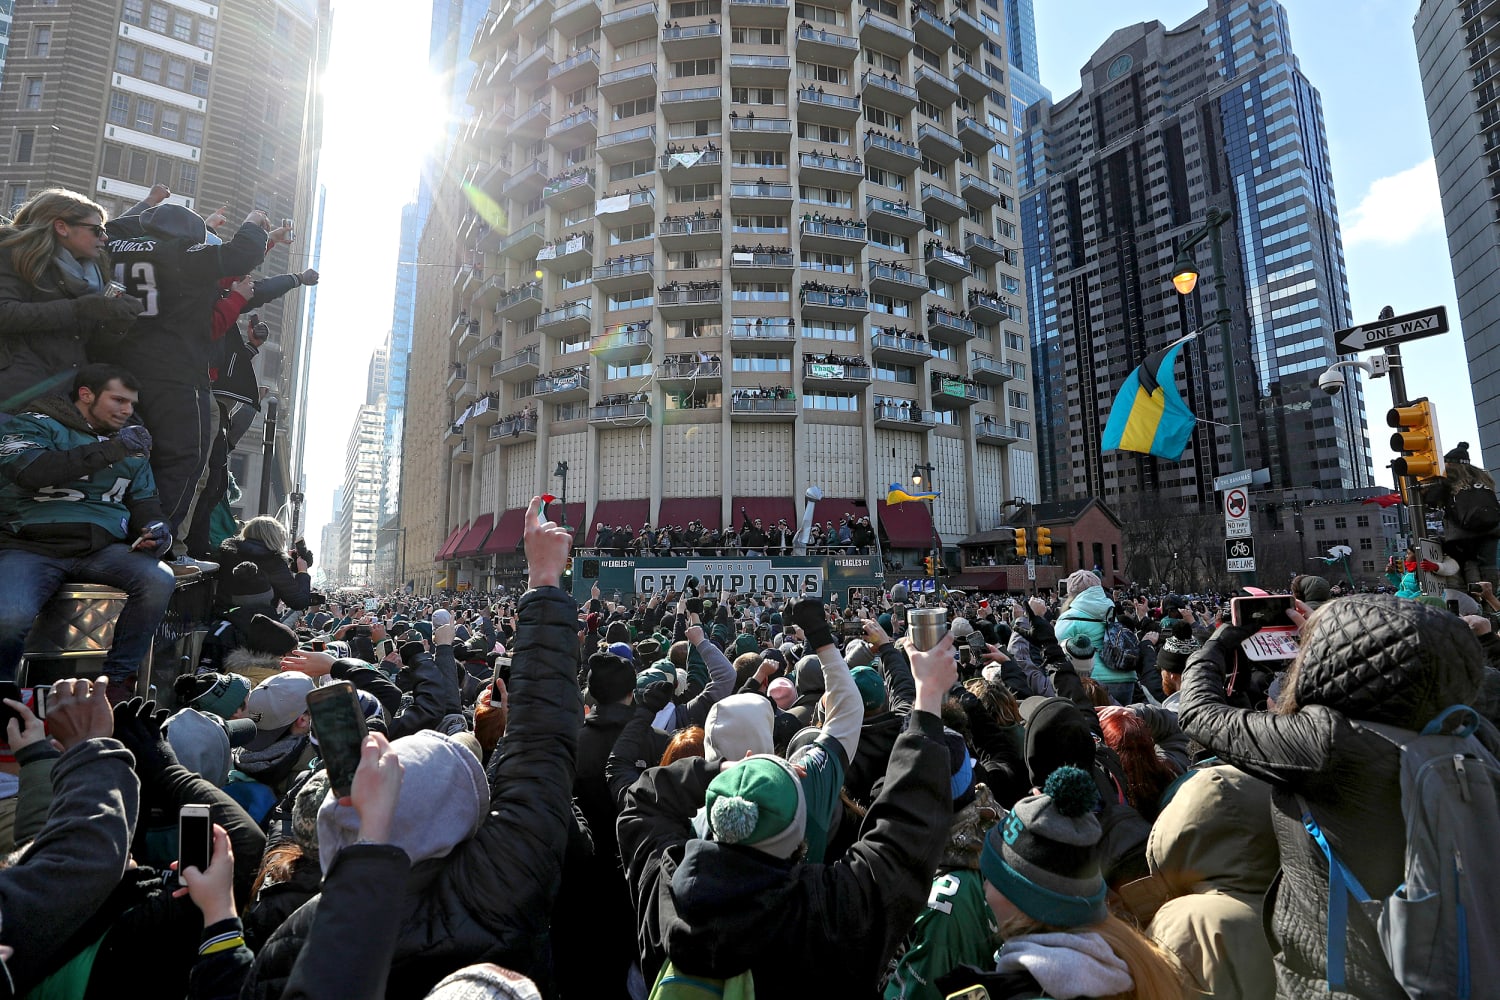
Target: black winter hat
[267, 635]
[611, 677]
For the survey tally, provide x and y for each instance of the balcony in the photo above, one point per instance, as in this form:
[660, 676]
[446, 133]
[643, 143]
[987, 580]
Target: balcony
[577, 129]
[762, 409]
[937, 144]
[967, 29]
[976, 136]
[458, 373]
[977, 191]
[932, 31]
[568, 319]
[885, 35]
[838, 171]
[942, 203]
[758, 13]
[935, 88]
[898, 281]
[576, 17]
[987, 307]
[690, 232]
[946, 264]
[485, 79]
[637, 206]
[819, 45]
[971, 83]
[763, 332]
[691, 303]
[631, 24]
[568, 254]
[951, 393]
[629, 414]
[452, 434]
[486, 351]
[692, 103]
[950, 326]
[895, 347]
[629, 343]
[834, 303]
[468, 334]
[485, 411]
[987, 369]
[685, 371]
[487, 294]
[463, 452]
[532, 68]
[895, 416]
[520, 303]
[892, 153]
[1001, 433]
[770, 264]
[894, 216]
[985, 250]
[524, 242]
[887, 94]
[514, 430]
[524, 184]
[579, 70]
[690, 165]
[832, 236]
[563, 386]
[570, 190]
[749, 70]
[835, 372]
[630, 144]
[754, 196]
[624, 272]
[519, 367]
[533, 17]
[760, 133]
[827, 109]
[691, 41]
[631, 82]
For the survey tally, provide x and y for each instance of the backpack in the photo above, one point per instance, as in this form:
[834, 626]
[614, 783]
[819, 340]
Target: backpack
[1438, 928]
[1121, 649]
[1476, 509]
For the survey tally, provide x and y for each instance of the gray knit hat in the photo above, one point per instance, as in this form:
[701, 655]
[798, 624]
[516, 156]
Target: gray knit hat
[1043, 856]
[485, 982]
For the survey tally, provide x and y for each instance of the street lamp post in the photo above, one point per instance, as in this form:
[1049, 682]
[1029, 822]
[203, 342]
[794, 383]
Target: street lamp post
[561, 472]
[937, 542]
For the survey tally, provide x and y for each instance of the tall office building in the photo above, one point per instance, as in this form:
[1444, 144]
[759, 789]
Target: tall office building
[1214, 113]
[364, 470]
[777, 248]
[217, 101]
[1458, 55]
[1025, 71]
[6, 15]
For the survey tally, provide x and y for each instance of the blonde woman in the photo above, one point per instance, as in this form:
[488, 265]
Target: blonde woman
[257, 569]
[54, 283]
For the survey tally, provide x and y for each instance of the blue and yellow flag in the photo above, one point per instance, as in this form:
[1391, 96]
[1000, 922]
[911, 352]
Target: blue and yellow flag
[1148, 415]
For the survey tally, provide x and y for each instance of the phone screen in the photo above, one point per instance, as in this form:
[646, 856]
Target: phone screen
[195, 838]
[1265, 612]
[339, 724]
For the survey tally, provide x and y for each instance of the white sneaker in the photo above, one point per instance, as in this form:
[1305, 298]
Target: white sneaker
[184, 565]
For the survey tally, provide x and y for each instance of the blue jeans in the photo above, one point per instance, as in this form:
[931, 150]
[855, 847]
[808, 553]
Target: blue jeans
[1123, 694]
[28, 580]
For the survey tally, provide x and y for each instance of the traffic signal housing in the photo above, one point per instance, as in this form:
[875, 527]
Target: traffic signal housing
[1021, 543]
[1044, 541]
[929, 565]
[1418, 451]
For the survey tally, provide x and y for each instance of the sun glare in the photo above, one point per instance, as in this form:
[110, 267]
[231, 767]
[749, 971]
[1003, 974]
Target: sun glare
[388, 121]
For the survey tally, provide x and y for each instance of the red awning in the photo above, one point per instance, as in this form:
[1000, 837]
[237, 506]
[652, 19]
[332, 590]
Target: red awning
[980, 580]
[574, 519]
[446, 552]
[834, 508]
[768, 509]
[906, 525]
[680, 510]
[507, 533]
[473, 540]
[618, 512]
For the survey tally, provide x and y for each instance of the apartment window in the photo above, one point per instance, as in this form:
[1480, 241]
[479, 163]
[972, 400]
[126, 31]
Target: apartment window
[630, 109]
[694, 259]
[695, 67]
[1013, 341]
[891, 241]
[823, 133]
[187, 180]
[1362, 521]
[1318, 524]
[822, 74]
[111, 167]
[695, 192]
[192, 132]
[25, 140]
[695, 8]
[157, 19]
[932, 112]
[821, 15]
[884, 119]
[1340, 523]
[15, 197]
[695, 328]
[843, 401]
[763, 96]
[138, 163]
[829, 197]
[936, 169]
[163, 172]
[626, 234]
[31, 94]
[125, 57]
[176, 74]
[199, 86]
[882, 62]
[133, 12]
[832, 262]
[119, 108]
[632, 50]
[207, 32]
[774, 158]
[761, 291]
[757, 36]
[145, 115]
[573, 346]
[825, 329]
[640, 298]
[151, 66]
[182, 26]
[640, 369]
[890, 305]
[41, 41]
[171, 123]
[905, 374]
[760, 224]
[631, 168]
[1017, 400]
[886, 178]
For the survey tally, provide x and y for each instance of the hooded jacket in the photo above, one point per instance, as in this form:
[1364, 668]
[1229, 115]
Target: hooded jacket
[261, 591]
[42, 341]
[1087, 614]
[1367, 657]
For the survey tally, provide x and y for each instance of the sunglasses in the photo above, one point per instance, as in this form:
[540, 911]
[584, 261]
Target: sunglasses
[98, 229]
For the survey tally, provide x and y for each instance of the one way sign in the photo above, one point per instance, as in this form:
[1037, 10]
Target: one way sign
[1384, 333]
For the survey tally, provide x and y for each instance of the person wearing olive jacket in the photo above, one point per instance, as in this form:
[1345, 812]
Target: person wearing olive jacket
[1364, 658]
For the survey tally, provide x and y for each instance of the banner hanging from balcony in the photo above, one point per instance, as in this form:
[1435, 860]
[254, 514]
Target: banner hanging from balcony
[609, 206]
[818, 369]
[1148, 415]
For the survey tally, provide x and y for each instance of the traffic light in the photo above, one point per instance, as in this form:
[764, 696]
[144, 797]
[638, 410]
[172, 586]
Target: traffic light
[1044, 541]
[1021, 543]
[568, 566]
[1416, 440]
[928, 565]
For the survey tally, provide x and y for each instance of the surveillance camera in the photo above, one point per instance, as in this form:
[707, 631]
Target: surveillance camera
[1331, 381]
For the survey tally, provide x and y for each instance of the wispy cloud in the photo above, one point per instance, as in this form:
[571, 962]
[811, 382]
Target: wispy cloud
[1397, 208]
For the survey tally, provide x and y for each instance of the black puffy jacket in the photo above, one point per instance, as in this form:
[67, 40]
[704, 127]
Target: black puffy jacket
[1368, 657]
[259, 593]
[490, 899]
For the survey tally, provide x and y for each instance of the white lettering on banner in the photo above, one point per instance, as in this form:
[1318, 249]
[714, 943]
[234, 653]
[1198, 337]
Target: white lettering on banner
[737, 577]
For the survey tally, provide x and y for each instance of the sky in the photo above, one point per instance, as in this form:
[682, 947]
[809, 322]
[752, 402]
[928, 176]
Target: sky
[1361, 56]
[383, 110]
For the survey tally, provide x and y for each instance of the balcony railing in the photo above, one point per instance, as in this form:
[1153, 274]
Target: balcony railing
[840, 164]
[748, 124]
[761, 328]
[582, 309]
[682, 32]
[833, 230]
[758, 190]
[623, 267]
[689, 226]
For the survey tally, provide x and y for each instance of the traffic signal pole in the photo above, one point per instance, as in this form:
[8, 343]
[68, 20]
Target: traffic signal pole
[1399, 398]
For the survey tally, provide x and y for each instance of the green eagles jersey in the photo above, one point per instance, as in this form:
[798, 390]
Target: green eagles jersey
[98, 499]
[822, 760]
[957, 927]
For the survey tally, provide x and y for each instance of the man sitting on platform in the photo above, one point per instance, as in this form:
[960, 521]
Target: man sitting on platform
[78, 504]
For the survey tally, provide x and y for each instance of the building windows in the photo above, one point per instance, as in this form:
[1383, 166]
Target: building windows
[151, 66]
[145, 115]
[171, 123]
[25, 140]
[192, 132]
[759, 96]
[199, 86]
[761, 291]
[1362, 521]
[630, 109]
[133, 12]
[15, 197]
[822, 74]
[757, 36]
[821, 15]
[695, 67]
[157, 19]
[904, 374]
[762, 363]
[41, 41]
[207, 33]
[631, 168]
[827, 329]
[31, 94]
[846, 402]
[177, 74]
[136, 174]
[886, 178]
[182, 26]
[187, 180]
[630, 233]
[1017, 400]
[640, 369]
[695, 328]
[125, 58]
[639, 298]
[1340, 523]
[119, 108]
